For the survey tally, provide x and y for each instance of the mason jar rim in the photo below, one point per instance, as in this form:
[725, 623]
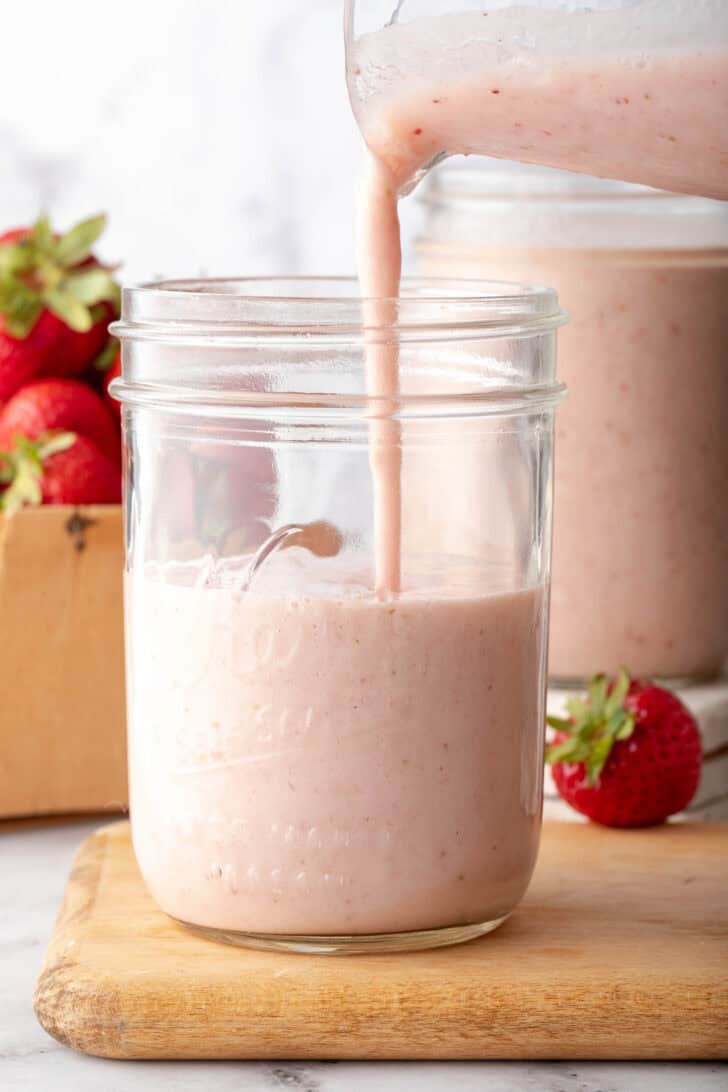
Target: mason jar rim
[225, 314]
[244, 310]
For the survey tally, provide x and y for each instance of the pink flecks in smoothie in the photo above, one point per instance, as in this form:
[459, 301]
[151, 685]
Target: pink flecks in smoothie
[315, 815]
[556, 81]
[660, 586]
[563, 78]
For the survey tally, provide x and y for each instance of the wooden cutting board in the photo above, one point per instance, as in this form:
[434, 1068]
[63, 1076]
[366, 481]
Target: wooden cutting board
[620, 950]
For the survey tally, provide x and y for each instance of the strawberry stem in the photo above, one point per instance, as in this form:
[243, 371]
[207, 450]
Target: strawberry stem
[594, 725]
[42, 270]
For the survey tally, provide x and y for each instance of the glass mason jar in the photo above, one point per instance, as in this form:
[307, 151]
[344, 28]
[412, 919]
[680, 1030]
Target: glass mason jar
[640, 573]
[314, 764]
[629, 89]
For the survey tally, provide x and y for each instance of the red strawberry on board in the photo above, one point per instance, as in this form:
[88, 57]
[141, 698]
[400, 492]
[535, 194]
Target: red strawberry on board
[48, 405]
[56, 301]
[629, 755]
[58, 468]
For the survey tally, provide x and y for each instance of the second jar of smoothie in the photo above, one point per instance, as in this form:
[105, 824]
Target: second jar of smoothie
[640, 573]
[319, 761]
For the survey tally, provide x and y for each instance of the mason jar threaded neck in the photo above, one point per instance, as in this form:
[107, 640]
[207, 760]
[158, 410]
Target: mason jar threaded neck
[306, 341]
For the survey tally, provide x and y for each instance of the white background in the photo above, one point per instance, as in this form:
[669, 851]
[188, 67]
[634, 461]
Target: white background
[217, 134]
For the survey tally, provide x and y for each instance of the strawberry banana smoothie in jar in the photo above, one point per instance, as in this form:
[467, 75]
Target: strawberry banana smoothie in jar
[322, 757]
[640, 570]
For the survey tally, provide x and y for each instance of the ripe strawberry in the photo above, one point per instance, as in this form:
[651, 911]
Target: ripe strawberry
[58, 468]
[72, 355]
[56, 301]
[628, 756]
[47, 405]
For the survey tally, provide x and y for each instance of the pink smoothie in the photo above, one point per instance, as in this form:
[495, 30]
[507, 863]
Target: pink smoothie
[640, 562]
[337, 764]
[639, 94]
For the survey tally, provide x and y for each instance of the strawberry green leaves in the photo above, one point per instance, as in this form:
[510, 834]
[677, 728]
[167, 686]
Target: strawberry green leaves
[91, 285]
[21, 469]
[76, 245]
[594, 725]
[70, 309]
[41, 270]
[21, 309]
[43, 236]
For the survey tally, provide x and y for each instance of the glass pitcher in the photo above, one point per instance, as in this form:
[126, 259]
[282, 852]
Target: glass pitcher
[629, 89]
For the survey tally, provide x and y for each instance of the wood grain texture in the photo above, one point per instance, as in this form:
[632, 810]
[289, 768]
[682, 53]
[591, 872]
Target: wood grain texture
[619, 951]
[62, 730]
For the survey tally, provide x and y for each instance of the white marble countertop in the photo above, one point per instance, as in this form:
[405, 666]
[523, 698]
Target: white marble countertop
[35, 862]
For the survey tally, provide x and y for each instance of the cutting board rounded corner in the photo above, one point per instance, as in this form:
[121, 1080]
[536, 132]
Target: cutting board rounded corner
[78, 1011]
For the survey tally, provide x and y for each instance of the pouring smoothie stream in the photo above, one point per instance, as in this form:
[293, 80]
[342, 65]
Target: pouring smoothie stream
[316, 764]
[636, 90]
